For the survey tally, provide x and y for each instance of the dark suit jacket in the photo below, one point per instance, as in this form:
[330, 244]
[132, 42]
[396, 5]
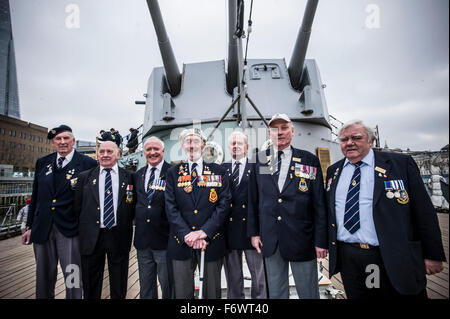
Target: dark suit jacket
[236, 224]
[50, 204]
[152, 226]
[293, 219]
[87, 208]
[186, 215]
[407, 233]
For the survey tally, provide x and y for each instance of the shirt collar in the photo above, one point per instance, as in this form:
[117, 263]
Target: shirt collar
[199, 165]
[369, 159]
[67, 158]
[114, 169]
[243, 161]
[158, 167]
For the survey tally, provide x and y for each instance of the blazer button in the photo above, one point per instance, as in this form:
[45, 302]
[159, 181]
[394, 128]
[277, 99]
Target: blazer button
[53, 208]
[333, 243]
[193, 227]
[333, 225]
[280, 200]
[231, 219]
[98, 222]
[148, 220]
[54, 201]
[195, 211]
[243, 206]
[243, 219]
[98, 208]
[279, 218]
[149, 206]
[231, 205]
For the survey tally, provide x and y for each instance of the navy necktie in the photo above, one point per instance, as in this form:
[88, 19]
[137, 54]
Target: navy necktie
[60, 162]
[108, 204]
[351, 216]
[151, 191]
[235, 175]
[194, 175]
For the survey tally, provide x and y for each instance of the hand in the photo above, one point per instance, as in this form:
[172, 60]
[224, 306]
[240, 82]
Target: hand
[321, 253]
[256, 242]
[26, 237]
[193, 236]
[200, 244]
[433, 267]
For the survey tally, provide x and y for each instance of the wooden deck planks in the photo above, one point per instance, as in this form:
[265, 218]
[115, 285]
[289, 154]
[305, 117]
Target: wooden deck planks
[17, 272]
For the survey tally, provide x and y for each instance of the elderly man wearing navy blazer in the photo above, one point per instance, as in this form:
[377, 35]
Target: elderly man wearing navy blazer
[197, 205]
[287, 217]
[152, 227]
[52, 225]
[239, 170]
[384, 233]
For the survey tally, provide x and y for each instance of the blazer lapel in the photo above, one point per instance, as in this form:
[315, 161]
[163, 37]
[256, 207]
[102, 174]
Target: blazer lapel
[123, 182]
[93, 182]
[48, 177]
[245, 175]
[289, 176]
[333, 186]
[379, 177]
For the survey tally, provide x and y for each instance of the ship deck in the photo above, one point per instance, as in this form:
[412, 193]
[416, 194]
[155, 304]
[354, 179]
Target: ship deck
[18, 271]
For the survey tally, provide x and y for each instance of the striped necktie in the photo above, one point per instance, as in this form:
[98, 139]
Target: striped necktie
[194, 175]
[108, 204]
[351, 216]
[60, 162]
[235, 175]
[151, 191]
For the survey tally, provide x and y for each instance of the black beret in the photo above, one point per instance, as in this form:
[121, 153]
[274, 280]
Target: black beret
[55, 131]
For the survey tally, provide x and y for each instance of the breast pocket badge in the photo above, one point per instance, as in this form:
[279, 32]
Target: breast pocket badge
[129, 194]
[213, 196]
[302, 185]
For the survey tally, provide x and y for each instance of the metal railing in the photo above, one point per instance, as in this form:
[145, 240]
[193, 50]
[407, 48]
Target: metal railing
[9, 225]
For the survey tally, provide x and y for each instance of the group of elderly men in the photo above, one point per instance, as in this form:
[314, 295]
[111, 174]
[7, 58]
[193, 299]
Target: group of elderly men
[371, 210]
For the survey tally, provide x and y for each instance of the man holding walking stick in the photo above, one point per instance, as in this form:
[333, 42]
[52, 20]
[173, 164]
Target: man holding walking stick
[197, 205]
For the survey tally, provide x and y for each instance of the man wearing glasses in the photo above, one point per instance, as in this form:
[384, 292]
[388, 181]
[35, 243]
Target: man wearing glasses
[383, 230]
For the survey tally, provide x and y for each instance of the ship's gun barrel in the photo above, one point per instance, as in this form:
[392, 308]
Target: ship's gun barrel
[301, 45]
[173, 75]
[233, 66]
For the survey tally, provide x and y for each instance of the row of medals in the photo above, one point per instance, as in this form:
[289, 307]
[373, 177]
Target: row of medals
[397, 194]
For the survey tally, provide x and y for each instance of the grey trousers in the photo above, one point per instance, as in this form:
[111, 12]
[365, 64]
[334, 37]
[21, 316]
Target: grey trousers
[152, 263]
[304, 272]
[183, 273]
[235, 276]
[67, 251]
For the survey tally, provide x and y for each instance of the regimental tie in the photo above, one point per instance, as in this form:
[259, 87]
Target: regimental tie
[194, 175]
[235, 175]
[351, 216]
[151, 191]
[60, 162]
[277, 173]
[108, 206]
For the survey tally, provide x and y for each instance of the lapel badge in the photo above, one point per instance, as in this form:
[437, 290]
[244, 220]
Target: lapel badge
[329, 184]
[380, 170]
[49, 169]
[94, 181]
[302, 185]
[213, 196]
[129, 198]
[73, 182]
[296, 159]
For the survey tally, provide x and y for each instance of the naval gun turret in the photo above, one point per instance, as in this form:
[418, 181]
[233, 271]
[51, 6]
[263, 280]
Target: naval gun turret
[220, 96]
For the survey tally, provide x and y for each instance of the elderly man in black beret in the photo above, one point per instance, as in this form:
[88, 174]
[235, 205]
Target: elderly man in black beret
[52, 226]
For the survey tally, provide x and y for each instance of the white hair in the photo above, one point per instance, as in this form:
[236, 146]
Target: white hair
[370, 131]
[155, 138]
[237, 133]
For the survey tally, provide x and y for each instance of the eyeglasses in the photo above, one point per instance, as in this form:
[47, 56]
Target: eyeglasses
[354, 138]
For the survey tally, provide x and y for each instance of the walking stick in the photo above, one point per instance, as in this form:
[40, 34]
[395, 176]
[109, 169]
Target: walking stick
[202, 273]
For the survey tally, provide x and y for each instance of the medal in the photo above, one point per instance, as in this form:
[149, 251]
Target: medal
[390, 195]
[397, 194]
[188, 189]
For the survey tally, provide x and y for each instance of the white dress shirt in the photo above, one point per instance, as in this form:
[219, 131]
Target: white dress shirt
[243, 162]
[67, 159]
[149, 172]
[101, 191]
[199, 167]
[284, 169]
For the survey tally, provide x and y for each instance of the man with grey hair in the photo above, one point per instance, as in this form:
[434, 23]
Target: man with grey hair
[383, 231]
[239, 170]
[152, 227]
[197, 205]
[52, 225]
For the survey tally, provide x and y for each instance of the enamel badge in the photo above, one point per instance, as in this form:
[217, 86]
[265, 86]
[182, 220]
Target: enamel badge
[302, 185]
[213, 196]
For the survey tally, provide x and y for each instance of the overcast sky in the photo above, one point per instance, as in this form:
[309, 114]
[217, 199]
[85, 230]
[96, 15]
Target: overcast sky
[384, 61]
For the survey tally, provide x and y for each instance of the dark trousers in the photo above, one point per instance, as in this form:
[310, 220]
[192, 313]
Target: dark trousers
[92, 268]
[364, 275]
[183, 273]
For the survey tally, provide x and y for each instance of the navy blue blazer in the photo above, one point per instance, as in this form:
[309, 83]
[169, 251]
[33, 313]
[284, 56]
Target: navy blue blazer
[186, 215]
[407, 233]
[152, 226]
[87, 208]
[295, 219]
[236, 224]
[50, 204]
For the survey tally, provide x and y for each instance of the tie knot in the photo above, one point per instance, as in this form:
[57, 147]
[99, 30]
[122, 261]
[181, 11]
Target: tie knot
[358, 164]
[194, 165]
[280, 153]
[237, 163]
[108, 170]
[153, 170]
